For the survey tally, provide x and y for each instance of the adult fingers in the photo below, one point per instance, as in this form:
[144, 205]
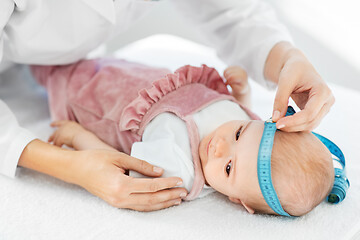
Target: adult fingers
[157, 197]
[281, 100]
[143, 167]
[158, 206]
[310, 125]
[145, 185]
[315, 109]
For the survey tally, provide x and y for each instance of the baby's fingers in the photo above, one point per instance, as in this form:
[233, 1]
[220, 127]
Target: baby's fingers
[51, 138]
[58, 141]
[58, 123]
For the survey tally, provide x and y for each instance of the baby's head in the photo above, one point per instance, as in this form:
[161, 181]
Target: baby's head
[301, 167]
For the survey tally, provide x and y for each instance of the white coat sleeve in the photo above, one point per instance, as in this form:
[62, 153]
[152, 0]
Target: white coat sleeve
[13, 140]
[6, 9]
[242, 31]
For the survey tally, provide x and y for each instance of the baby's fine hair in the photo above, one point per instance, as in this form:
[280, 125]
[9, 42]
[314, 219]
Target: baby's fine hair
[302, 172]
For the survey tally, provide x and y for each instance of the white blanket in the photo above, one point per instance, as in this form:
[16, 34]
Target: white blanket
[36, 206]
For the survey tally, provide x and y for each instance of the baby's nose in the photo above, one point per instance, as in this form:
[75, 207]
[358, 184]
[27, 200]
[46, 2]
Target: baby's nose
[221, 149]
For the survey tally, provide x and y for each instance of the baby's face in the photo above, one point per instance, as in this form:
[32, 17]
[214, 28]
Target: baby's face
[229, 159]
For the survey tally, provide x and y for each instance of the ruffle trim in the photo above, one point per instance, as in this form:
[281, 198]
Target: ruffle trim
[133, 113]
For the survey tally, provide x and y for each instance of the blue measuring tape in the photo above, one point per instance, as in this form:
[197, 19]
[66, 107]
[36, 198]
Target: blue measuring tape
[341, 182]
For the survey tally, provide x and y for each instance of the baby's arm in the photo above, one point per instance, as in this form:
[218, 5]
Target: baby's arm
[237, 78]
[75, 136]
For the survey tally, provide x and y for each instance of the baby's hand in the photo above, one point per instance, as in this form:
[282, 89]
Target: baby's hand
[237, 78]
[65, 133]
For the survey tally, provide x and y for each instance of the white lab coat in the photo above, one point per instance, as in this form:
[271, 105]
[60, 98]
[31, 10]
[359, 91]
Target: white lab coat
[59, 32]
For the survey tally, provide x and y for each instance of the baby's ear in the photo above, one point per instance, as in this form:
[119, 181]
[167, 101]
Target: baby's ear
[247, 207]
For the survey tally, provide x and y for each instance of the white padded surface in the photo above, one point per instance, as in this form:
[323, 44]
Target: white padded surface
[36, 206]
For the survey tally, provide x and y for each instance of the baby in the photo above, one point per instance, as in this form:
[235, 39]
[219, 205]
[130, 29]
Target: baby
[187, 123]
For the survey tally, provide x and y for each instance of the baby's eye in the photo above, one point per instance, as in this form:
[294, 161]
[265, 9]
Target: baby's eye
[237, 135]
[228, 168]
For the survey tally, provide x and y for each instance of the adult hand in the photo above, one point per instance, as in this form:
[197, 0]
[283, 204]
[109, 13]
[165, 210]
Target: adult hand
[102, 173]
[298, 79]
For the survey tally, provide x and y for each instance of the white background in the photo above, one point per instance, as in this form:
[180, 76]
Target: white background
[328, 31]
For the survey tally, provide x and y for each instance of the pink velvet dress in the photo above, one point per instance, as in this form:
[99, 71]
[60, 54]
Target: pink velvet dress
[116, 99]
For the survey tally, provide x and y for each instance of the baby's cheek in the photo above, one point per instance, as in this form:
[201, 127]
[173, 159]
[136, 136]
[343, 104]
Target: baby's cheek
[215, 180]
[210, 176]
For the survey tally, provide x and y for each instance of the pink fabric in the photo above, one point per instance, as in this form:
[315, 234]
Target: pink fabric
[94, 93]
[135, 111]
[116, 99]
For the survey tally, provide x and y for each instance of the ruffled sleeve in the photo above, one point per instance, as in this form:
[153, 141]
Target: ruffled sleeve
[133, 114]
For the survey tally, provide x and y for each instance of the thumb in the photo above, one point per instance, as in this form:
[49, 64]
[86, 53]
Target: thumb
[143, 167]
[281, 100]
